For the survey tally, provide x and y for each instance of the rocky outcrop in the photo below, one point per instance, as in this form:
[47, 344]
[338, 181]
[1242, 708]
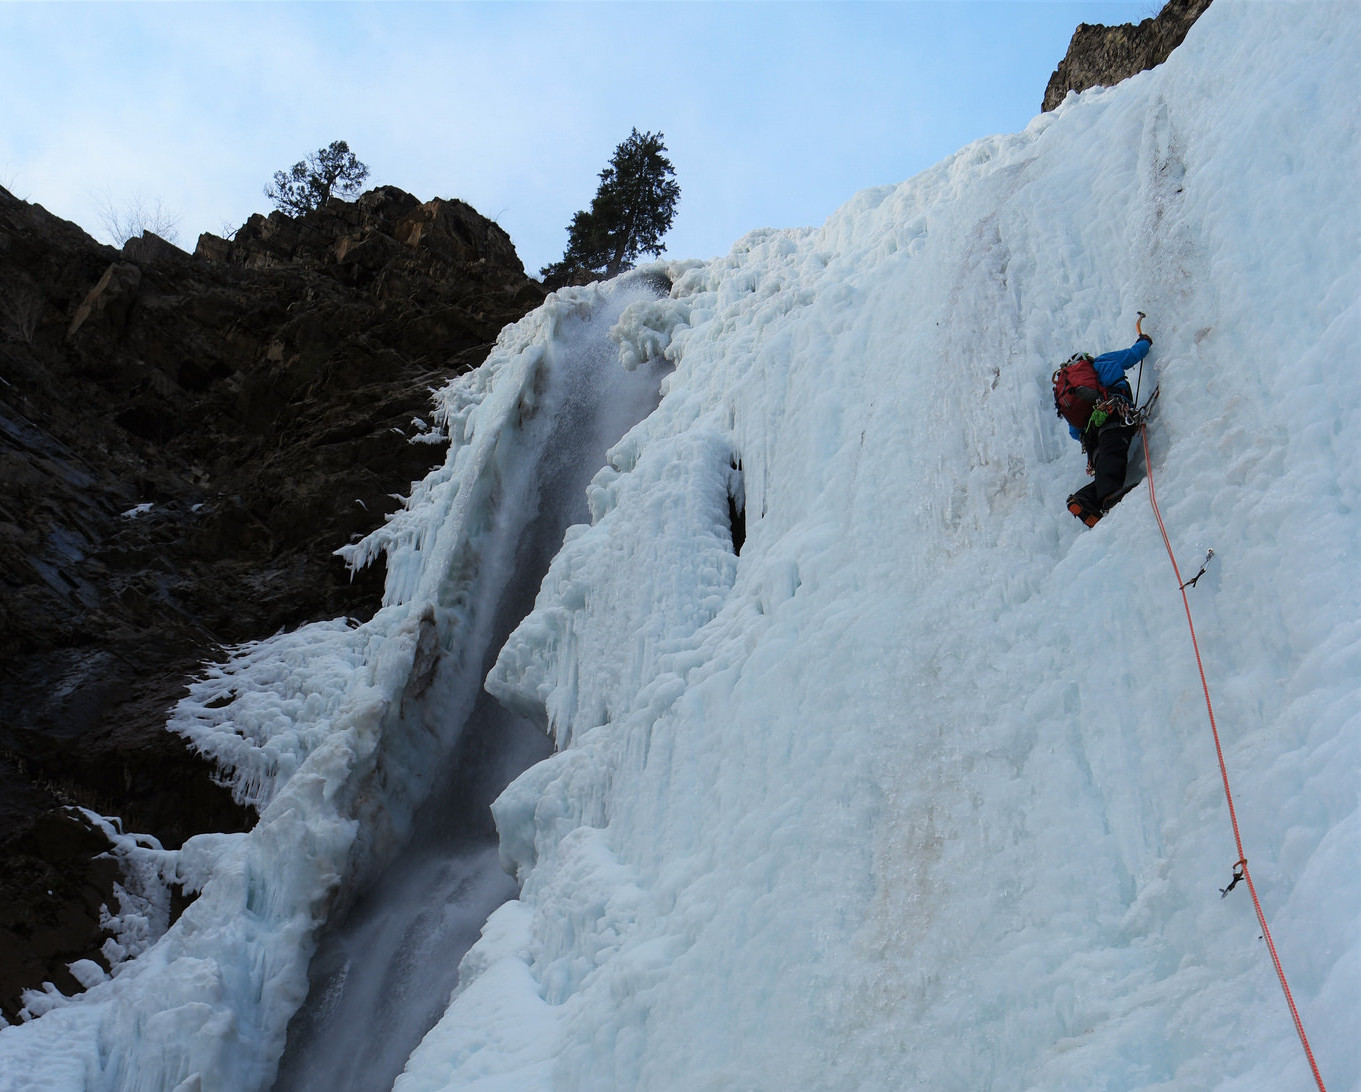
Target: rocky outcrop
[1100, 56]
[185, 440]
[52, 889]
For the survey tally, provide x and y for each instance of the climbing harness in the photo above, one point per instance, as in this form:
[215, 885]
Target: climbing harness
[1113, 407]
[1120, 409]
[1240, 868]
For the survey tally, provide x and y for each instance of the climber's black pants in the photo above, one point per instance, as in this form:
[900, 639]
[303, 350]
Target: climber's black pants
[1109, 455]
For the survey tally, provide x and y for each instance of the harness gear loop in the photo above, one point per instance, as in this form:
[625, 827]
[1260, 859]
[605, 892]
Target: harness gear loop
[1115, 406]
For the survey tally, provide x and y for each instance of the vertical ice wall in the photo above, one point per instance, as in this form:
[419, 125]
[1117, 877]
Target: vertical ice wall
[917, 792]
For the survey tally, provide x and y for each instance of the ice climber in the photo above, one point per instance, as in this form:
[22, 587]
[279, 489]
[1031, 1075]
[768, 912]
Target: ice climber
[1093, 396]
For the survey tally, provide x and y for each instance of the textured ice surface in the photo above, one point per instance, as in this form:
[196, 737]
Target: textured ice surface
[918, 790]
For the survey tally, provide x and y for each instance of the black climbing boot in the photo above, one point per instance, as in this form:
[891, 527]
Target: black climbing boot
[1082, 512]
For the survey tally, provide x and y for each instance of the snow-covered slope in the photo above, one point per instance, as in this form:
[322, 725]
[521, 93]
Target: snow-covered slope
[918, 790]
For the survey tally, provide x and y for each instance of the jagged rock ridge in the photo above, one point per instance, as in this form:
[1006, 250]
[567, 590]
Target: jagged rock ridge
[1100, 56]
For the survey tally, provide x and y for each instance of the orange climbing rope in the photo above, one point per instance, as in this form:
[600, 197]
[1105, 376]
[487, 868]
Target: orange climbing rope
[1240, 867]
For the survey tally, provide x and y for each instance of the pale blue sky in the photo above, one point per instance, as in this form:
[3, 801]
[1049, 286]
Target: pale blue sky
[774, 113]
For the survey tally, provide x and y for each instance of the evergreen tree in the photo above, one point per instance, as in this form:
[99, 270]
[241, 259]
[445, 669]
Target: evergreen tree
[632, 210]
[308, 184]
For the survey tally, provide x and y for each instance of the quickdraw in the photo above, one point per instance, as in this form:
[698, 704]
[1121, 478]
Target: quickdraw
[1238, 878]
[1204, 565]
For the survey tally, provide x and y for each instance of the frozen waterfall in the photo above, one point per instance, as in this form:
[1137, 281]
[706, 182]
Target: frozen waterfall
[383, 975]
[372, 753]
[873, 769]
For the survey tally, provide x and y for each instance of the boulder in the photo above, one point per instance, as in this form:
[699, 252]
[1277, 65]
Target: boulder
[110, 301]
[54, 881]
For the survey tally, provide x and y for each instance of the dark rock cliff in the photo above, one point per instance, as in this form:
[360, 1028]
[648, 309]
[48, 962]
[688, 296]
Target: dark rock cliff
[1100, 56]
[184, 442]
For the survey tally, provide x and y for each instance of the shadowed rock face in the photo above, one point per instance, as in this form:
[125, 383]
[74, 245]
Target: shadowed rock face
[184, 442]
[1100, 56]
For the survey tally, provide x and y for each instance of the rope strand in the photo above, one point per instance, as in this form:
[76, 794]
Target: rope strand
[1241, 863]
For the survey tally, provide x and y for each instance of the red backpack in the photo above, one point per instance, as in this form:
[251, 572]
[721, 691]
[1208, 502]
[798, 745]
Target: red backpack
[1077, 389]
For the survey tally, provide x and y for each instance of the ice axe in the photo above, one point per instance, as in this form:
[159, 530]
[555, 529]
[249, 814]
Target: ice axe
[1139, 329]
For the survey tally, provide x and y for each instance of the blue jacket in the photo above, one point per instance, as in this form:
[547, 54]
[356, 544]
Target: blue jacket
[1111, 368]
